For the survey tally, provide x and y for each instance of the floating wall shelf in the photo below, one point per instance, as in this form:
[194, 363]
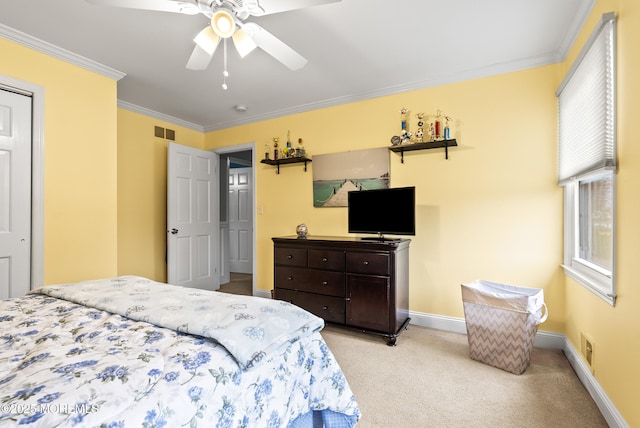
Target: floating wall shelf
[278, 162]
[401, 148]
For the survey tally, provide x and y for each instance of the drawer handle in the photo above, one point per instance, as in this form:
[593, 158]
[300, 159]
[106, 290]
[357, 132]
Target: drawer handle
[325, 283]
[290, 256]
[290, 278]
[324, 259]
[325, 308]
[366, 262]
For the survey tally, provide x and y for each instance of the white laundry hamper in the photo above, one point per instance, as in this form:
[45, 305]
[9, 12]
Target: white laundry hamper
[502, 321]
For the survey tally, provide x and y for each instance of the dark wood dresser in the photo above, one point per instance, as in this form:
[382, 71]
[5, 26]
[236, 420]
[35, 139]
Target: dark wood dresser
[355, 282]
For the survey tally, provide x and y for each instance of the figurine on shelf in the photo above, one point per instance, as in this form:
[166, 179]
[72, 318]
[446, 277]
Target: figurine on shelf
[404, 119]
[300, 151]
[420, 131]
[276, 152]
[267, 150]
[432, 132]
[447, 129]
[438, 123]
[406, 137]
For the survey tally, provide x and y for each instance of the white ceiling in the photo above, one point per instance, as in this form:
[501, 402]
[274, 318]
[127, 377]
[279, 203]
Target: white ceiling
[357, 49]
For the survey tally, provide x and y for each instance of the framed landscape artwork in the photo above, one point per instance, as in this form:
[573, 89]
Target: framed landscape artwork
[336, 174]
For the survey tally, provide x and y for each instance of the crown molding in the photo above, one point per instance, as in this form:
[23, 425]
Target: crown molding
[160, 116]
[574, 29]
[47, 48]
[494, 69]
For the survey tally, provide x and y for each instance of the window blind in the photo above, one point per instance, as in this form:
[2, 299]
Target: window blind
[586, 107]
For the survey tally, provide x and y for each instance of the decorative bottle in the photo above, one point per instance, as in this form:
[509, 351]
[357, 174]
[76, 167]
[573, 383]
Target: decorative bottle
[288, 151]
[275, 148]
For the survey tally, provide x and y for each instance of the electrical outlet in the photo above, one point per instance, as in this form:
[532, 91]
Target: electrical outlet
[587, 349]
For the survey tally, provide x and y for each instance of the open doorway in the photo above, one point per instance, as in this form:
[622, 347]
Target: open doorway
[237, 219]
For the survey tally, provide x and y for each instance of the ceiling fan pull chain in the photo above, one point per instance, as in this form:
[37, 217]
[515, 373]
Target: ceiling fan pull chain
[225, 73]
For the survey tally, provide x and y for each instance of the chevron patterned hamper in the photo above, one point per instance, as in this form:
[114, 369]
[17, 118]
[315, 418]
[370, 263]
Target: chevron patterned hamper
[502, 321]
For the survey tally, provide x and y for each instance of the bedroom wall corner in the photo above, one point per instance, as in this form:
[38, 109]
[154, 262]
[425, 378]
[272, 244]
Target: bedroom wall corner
[80, 204]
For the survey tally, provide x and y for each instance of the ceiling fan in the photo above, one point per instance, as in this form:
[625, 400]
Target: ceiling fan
[227, 21]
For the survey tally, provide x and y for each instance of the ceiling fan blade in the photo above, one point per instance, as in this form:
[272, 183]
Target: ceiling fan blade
[274, 46]
[199, 59]
[186, 7]
[277, 6]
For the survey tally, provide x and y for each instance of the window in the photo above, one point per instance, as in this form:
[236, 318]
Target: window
[587, 162]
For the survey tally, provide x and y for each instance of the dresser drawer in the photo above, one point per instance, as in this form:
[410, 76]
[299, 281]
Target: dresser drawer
[328, 308]
[326, 259]
[311, 280]
[368, 263]
[290, 256]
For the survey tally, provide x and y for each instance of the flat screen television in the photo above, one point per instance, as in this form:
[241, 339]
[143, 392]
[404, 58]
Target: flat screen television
[382, 211]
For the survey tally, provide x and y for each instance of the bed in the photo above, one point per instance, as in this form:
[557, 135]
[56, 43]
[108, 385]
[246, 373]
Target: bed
[131, 352]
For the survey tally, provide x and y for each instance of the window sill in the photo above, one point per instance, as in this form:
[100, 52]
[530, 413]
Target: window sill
[601, 288]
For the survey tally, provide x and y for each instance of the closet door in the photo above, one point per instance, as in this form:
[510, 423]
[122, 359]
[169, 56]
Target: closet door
[15, 194]
[240, 221]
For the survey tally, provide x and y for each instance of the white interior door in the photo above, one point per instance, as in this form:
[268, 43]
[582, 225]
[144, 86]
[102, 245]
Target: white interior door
[240, 221]
[15, 194]
[192, 217]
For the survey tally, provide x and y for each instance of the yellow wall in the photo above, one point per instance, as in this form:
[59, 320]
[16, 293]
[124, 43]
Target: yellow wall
[142, 193]
[492, 211]
[616, 330]
[80, 221]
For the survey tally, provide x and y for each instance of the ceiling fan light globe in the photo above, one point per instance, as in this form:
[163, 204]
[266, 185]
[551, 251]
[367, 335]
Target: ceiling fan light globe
[243, 42]
[223, 23]
[207, 40]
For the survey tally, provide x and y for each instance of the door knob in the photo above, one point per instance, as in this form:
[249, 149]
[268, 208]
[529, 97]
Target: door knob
[174, 231]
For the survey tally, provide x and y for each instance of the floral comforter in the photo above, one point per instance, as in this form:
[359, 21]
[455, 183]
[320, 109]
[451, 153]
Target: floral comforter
[79, 363]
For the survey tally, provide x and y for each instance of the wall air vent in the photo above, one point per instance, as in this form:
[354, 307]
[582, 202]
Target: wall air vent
[160, 132]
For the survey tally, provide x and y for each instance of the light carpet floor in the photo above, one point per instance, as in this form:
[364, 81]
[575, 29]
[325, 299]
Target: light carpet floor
[428, 380]
[240, 283]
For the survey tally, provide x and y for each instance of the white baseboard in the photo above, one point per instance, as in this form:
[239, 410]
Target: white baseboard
[607, 408]
[262, 293]
[544, 339]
